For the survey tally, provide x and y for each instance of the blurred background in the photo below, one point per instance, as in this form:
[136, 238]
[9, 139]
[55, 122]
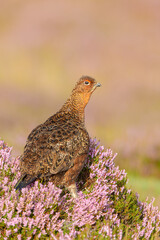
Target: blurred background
[45, 46]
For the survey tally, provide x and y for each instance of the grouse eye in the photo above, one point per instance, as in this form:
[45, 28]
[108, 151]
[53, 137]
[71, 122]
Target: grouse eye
[86, 82]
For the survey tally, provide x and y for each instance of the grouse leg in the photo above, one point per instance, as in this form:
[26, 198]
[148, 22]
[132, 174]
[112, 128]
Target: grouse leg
[73, 190]
[72, 174]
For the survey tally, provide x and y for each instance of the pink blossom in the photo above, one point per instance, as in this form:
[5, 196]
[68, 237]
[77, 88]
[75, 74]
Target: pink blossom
[44, 210]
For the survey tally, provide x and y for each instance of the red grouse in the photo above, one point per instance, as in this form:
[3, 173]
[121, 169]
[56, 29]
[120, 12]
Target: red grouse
[58, 148]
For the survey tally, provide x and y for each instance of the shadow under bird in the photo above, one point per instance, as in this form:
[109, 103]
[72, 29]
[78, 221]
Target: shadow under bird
[56, 150]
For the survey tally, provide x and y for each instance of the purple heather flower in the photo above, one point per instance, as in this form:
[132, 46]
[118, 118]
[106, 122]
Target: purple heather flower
[8, 232]
[19, 237]
[41, 207]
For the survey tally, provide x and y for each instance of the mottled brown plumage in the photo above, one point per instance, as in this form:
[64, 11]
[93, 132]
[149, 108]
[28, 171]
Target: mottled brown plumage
[58, 148]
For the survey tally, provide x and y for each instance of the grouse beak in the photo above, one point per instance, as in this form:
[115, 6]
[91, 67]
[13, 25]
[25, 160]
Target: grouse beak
[98, 85]
[95, 86]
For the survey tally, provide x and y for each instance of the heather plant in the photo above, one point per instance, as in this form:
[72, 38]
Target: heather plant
[105, 207]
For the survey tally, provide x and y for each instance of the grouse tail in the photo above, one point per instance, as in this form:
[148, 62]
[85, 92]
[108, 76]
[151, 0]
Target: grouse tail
[24, 181]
